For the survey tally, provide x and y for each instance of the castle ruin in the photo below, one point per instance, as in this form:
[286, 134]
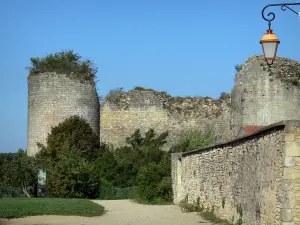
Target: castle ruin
[260, 96]
[52, 98]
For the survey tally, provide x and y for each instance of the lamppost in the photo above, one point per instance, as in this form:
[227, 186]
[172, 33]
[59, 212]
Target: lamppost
[269, 40]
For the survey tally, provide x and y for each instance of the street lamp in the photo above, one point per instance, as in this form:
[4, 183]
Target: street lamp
[269, 40]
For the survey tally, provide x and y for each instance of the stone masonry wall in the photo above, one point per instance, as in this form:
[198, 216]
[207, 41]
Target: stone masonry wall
[52, 98]
[145, 109]
[263, 95]
[254, 178]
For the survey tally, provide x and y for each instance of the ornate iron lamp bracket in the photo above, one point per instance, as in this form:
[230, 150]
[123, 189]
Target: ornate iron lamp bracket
[271, 15]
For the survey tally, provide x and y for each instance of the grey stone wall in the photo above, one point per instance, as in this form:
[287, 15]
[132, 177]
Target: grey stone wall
[255, 178]
[263, 96]
[52, 98]
[145, 109]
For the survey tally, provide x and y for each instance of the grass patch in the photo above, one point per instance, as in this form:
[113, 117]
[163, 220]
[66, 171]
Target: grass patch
[21, 207]
[153, 202]
[210, 216]
[207, 215]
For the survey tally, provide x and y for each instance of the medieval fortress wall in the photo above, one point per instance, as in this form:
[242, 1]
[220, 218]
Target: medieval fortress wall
[255, 178]
[145, 109]
[261, 96]
[52, 98]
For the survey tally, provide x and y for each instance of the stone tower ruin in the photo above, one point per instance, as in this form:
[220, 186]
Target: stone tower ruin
[264, 95]
[54, 97]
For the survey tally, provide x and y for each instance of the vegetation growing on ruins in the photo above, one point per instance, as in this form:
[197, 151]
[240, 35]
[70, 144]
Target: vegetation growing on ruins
[179, 105]
[283, 69]
[64, 62]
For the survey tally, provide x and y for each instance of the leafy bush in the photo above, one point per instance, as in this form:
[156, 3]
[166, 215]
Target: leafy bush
[193, 139]
[114, 96]
[64, 62]
[11, 192]
[72, 177]
[145, 166]
[109, 192]
[68, 160]
[73, 133]
[78, 167]
[18, 173]
[153, 185]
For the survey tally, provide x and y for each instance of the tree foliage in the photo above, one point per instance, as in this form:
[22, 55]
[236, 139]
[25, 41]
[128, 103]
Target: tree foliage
[193, 139]
[73, 177]
[64, 62]
[73, 134]
[18, 171]
[145, 165]
[68, 160]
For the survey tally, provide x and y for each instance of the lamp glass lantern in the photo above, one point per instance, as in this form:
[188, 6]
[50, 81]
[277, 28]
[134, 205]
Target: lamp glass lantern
[269, 44]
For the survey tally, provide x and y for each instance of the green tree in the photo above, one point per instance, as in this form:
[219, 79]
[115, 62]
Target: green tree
[73, 177]
[69, 160]
[141, 151]
[73, 133]
[153, 184]
[22, 171]
[193, 139]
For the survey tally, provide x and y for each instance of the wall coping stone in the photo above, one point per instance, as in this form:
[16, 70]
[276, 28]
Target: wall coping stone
[286, 124]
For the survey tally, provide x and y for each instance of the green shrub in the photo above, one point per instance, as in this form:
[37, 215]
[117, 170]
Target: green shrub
[17, 172]
[72, 177]
[11, 192]
[109, 192]
[115, 95]
[193, 139]
[152, 185]
[69, 160]
[73, 133]
[64, 62]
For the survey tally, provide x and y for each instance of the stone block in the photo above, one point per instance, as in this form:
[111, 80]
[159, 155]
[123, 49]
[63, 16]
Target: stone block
[292, 149]
[291, 173]
[296, 214]
[289, 200]
[290, 162]
[290, 137]
[286, 185]
[286, 215]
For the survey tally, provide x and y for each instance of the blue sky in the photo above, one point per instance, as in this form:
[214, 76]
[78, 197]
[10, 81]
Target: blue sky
[185, 47]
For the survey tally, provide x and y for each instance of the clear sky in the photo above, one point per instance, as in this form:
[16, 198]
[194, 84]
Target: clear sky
[183, 47]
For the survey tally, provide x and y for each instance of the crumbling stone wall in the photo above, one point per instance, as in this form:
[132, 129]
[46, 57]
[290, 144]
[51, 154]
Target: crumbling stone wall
[52, 98]
[261, 96]
[144, 109]
[264, 95]
[254, 178]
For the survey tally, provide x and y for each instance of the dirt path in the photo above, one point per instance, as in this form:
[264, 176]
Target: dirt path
[119, 212]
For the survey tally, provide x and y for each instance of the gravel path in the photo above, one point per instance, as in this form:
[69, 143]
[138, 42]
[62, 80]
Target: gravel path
[119, 212]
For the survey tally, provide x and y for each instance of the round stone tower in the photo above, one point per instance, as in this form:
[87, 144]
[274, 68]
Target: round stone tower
[263, 95]
[52, 98]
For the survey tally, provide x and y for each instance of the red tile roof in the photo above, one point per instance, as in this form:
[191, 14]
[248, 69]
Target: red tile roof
[250, 129]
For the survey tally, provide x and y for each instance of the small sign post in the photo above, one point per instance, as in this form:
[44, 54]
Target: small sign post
[42, 192]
